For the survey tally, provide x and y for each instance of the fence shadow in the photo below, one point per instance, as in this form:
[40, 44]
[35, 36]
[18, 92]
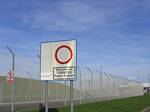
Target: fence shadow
[42, 108]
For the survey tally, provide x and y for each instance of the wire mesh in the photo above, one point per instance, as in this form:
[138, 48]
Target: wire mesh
[90, 86]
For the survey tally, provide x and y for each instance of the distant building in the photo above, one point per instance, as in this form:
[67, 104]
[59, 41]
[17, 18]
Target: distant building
[146, 87]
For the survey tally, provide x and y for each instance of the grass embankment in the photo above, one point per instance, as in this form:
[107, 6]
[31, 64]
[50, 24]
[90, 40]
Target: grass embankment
[133, 104]
[22, 90]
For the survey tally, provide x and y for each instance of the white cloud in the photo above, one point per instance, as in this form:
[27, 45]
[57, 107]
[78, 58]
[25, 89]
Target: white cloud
[73, 17]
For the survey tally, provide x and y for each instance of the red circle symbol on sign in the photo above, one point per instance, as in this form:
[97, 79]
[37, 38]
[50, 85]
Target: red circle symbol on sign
[67, 60]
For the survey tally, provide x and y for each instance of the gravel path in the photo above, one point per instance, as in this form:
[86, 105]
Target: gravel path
[146, 109]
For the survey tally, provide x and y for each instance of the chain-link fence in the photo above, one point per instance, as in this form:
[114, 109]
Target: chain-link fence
[90, 86]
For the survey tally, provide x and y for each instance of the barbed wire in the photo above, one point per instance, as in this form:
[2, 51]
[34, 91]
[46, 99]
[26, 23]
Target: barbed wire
[37, 60]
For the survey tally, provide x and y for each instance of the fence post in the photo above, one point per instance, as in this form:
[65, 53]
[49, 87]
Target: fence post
[107, 80]
[30, 86]
[46, 96]
[2, 93]
[71, 95]
[113, 84]
[91, 80]
[65, 101]
[100, 83]
[101, 76]
[56, 91]
[80, 85]
[13, 69]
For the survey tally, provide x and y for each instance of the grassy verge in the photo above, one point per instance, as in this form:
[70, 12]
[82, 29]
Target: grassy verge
[133, 104]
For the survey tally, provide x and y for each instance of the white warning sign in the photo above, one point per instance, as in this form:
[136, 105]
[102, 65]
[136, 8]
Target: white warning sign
[58, 60]
[10, 77]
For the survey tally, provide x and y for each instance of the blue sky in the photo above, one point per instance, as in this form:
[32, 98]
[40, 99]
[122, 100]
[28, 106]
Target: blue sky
[112, 33]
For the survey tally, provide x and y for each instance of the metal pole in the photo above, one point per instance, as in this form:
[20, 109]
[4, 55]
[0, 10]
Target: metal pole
[2, 93]
[118, 82]
[108, 83]
[56, 91]
[107, 78]
[30, 86]
[148, 79]
[80, 85]
[91, 78]
[13, 69]
[113, 81]
[46, 90]
[86, 88]
[101, 76]
[71, 95]
[113, 85]
[129, 81]
[65, 101]
[88, 91]
[100, 87]
[44, 83]
[46, 96]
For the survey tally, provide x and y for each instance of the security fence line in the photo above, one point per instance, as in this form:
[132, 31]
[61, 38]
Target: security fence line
[90, 86]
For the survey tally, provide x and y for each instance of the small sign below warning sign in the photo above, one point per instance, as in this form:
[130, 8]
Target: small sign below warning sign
[64, 72]
[58, 60]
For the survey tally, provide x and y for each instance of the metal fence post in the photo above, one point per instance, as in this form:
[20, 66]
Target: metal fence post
[71, 95]
[65, 101]
[91, 79]
[46, 96]
[113, 84]
[113, 80]
[86, 89]
[101, 77]
[129, 83]
[80, 85]
[45, 90]
[30, 86]
[44, 83]
[107, 78]
[56, 92]
[100, 81]
[13, 69]
[2, 93]
[118, 85]
[118, 82]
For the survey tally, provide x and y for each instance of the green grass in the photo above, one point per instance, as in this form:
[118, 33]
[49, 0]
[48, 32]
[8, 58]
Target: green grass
[132, 104]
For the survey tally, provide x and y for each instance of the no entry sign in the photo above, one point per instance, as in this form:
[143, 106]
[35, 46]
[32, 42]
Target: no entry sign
[58, 60]
[63, 49]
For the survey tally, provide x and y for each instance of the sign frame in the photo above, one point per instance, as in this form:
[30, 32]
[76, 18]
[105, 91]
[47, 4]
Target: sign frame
[62, 79]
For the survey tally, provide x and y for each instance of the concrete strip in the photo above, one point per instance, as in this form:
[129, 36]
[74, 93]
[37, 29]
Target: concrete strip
[21, 106]
[146, 109]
